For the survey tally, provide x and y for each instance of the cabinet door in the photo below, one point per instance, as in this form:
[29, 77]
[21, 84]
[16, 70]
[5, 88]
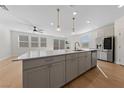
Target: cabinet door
[103, 55]
[62, 44]
[81, 63]
[88, 61]
[94, 59]
[36, 78]
[98, 54]
[56, 44]
[71, 69]
[57, 74]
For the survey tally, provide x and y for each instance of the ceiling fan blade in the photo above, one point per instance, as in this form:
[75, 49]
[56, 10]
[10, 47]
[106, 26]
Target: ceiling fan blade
[39, 29]
[4, 7]
[40, 32]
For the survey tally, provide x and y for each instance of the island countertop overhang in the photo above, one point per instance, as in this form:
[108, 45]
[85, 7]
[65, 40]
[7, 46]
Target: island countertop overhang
[44, 54]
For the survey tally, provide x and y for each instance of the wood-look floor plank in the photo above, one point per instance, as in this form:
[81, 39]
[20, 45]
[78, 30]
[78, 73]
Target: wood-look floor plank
[96, 79]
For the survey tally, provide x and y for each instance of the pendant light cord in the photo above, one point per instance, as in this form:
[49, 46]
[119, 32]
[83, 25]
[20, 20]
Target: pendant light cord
[58, 25]
[73, 20]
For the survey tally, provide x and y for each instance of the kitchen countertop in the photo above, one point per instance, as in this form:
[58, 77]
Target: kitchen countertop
[41, 54]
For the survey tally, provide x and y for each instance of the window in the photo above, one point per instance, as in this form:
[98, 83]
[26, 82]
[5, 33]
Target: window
[34, 42]
[59, 44]
[43, 42]
[85, 40]
[23, 41]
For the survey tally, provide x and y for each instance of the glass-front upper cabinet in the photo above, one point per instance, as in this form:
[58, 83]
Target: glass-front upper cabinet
[23, 41]
[43, 42]
[59, 44]
[34, 42]
[62, 44]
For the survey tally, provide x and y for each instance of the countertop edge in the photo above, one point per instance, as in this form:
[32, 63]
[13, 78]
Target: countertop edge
[25, 59]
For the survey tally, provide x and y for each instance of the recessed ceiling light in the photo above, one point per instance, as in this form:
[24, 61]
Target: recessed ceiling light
[51, 23]
[120, 6]
[88, 22]
[74, 13]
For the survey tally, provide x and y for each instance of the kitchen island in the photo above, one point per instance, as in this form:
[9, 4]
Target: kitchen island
[52, 69]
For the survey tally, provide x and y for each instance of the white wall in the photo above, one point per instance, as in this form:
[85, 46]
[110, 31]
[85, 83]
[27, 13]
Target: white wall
[5, 47]
[105, 31]
[119, 40]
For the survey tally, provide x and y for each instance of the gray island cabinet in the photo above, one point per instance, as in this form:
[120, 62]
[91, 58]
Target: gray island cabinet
[53, 70]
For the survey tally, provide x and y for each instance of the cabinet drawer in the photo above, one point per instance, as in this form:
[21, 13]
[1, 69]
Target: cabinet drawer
[54, 59]
[59, 58]
[82, 54]
[71, 56]
[41, 61]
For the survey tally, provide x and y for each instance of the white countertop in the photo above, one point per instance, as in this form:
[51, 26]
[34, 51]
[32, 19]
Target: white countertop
[41, 54]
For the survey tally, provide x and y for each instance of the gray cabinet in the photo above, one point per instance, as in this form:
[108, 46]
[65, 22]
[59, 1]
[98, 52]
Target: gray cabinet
[87, 60]
[57, 70]
[56, 44]
[57, 74]
[84, 62]
[36, 78]
[81, 63]
[44, 73]
[71, 67]
[94, 58]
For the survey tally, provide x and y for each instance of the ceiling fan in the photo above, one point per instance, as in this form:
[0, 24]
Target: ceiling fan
[25, 22]
[36, 29]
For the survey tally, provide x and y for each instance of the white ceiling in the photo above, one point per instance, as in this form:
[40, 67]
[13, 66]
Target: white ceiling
[43, 15]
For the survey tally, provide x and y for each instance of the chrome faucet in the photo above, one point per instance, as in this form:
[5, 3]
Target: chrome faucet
[76, 44]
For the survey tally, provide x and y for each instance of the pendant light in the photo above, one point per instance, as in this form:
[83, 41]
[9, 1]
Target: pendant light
[58, 20]
[73, 26]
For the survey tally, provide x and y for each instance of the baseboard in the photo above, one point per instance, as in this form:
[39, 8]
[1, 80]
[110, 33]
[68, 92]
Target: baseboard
[121, 65]
[116, 62]
[105, 60]
[4, 58]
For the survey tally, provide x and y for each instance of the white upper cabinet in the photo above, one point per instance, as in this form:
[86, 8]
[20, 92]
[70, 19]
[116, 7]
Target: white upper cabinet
[43, 42]
[62, 44]
[56, 44]
[23, 41]
[59, 44]
[34, 41]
